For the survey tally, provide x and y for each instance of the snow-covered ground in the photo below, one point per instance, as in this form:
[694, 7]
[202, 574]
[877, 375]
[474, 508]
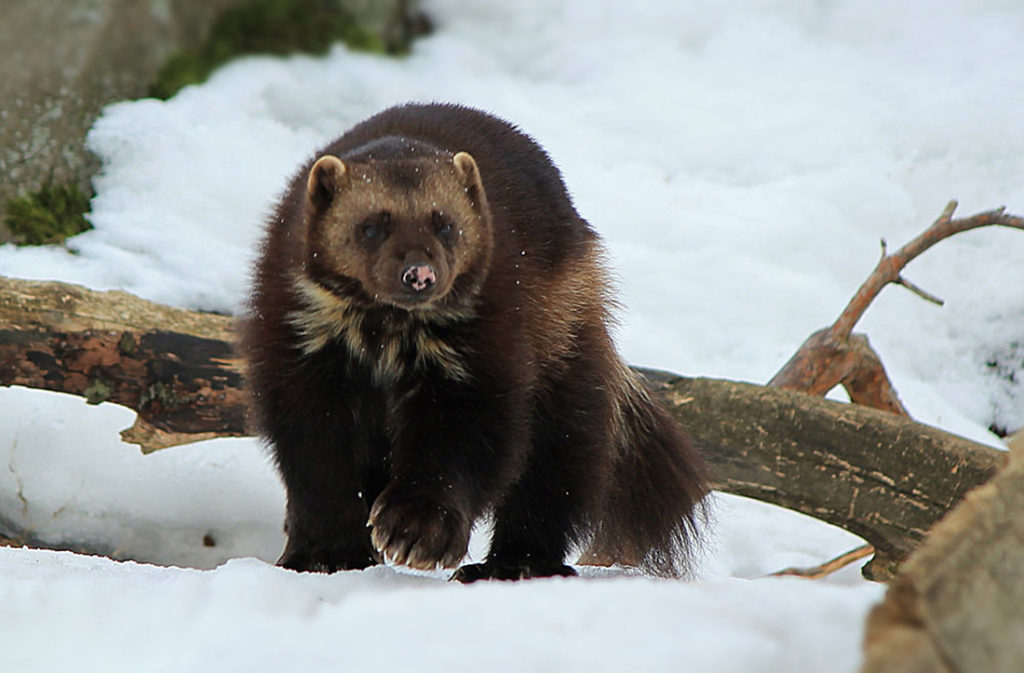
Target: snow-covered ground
[741, 159]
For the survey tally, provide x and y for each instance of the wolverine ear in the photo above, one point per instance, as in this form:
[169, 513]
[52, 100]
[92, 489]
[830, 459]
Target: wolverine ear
[325, 177]
[465, 166]
[469, 174]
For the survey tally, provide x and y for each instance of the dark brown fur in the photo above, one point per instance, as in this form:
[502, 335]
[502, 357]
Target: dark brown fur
[398, 418]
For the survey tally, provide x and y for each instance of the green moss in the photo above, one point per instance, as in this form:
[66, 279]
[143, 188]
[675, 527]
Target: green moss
[265, 27]
[161, 394]
[179, 71]
[52, 214]
[127, 345]
[97, 391]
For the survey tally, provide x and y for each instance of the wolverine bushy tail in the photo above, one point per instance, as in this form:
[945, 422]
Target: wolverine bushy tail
[655, 505]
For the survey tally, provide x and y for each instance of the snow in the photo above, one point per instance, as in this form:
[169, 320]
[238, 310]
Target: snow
[246, 615]
[742, 161]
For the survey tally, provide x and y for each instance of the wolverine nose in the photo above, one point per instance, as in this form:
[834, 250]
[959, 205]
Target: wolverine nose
[419, 277]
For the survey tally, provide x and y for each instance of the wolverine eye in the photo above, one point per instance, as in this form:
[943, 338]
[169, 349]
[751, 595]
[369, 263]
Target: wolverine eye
[375, 228]
[442, 225]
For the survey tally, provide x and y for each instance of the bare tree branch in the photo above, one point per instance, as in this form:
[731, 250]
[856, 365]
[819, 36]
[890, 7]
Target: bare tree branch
[830, 566]
[890, 266]
[835, 356]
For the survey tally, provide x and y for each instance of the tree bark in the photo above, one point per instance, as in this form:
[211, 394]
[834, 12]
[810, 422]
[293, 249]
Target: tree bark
[176, 368]
[956, 605]
[883, 477]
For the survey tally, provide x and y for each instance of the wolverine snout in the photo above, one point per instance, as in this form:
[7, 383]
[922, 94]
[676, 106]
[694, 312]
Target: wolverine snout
[419, 277]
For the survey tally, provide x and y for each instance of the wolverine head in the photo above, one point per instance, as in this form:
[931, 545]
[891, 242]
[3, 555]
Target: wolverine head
[411, 229]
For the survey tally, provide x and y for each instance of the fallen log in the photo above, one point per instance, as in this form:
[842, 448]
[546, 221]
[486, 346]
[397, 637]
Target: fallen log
[175, 368]
[881, 476]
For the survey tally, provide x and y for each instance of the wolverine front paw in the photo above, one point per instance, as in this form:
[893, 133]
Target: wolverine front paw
[418, 532]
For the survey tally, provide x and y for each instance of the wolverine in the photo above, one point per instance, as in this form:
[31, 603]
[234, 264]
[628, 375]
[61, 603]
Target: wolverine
[427, 344]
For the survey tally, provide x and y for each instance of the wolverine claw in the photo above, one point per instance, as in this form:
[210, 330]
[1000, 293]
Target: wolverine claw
[374, 513]
[378, 539]
[418, 534]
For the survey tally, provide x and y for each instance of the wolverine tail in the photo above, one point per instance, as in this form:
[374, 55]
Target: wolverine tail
[652, 515]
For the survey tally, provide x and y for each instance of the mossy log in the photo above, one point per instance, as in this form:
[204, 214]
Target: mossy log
[881, 476]
[176, 368]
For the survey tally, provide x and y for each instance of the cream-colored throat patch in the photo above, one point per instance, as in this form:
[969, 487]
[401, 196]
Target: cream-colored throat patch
[406, 345]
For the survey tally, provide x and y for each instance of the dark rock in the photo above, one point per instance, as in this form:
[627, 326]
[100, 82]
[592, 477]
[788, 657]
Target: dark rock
[63, 62]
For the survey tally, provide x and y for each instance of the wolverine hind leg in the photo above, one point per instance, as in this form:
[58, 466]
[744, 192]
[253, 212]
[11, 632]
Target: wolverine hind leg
[549, 509]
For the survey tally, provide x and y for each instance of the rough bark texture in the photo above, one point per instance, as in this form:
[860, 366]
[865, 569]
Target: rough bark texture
[876, 474]
[176, 368]
[956, 606]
